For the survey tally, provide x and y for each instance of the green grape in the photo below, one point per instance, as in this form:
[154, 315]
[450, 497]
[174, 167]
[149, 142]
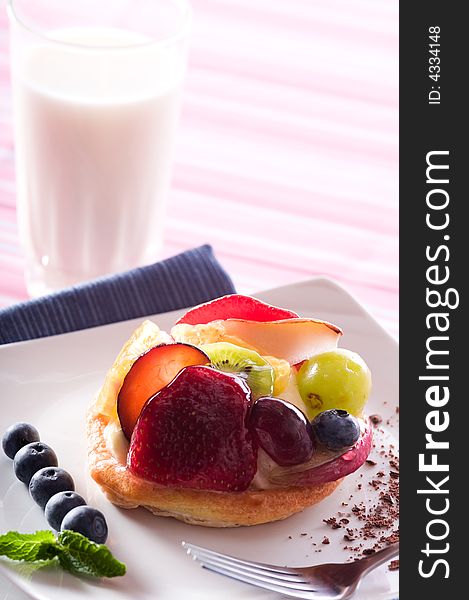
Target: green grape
[335, 379]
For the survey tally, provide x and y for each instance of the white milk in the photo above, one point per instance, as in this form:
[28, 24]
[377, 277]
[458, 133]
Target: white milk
[94, 134]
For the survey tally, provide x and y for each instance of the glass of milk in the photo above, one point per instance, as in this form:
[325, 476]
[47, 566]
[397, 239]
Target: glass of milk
[96, 94]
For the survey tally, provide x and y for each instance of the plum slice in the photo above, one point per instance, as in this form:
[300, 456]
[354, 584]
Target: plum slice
[334, 469]
[151, 372]
[235, 306]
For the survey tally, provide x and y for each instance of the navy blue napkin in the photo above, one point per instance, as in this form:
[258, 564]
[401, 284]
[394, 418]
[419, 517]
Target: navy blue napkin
[181, 281]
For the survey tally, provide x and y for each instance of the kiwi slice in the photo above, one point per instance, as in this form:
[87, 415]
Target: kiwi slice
[247, 364]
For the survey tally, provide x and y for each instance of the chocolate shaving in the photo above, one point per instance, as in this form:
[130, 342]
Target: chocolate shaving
[332, 522]
[377, 522]
[394, 565]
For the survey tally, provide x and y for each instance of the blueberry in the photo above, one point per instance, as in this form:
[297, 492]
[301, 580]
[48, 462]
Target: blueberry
[87, 521]
[31, 458]
[17, 436]
[59, 505]
[47, 482]
[336, 429]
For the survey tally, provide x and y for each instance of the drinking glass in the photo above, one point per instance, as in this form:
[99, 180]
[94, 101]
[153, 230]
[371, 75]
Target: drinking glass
[96, 94]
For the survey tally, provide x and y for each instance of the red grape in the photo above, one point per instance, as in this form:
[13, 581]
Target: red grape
[282, 430]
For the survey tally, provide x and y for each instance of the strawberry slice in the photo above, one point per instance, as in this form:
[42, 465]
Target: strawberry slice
[235, 306]
[193, 434]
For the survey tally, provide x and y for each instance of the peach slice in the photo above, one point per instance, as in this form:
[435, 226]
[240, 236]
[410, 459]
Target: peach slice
[150, 373]
[294, 340]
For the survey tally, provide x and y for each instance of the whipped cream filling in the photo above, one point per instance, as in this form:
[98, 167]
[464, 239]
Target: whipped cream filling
[292, 394]
[268, 474]
[116, 441]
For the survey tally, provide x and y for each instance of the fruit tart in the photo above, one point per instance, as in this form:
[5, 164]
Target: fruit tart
[244, 413]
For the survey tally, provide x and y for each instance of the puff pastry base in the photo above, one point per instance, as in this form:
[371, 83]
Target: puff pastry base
[197, 507]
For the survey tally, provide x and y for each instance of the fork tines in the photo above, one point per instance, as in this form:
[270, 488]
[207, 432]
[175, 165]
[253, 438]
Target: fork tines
[277, 579]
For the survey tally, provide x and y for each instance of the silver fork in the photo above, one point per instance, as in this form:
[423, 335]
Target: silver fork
[332, 581]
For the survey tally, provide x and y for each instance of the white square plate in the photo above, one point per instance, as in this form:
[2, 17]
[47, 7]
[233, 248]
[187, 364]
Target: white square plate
[49, 382]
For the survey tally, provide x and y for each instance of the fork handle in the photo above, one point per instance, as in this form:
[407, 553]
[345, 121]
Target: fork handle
[379, 558]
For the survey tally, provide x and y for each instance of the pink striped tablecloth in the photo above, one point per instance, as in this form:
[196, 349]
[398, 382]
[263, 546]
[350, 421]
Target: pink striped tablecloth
[287, 155]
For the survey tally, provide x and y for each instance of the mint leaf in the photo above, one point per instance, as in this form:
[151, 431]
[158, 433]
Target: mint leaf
[75, 553]
[30, 547]
[79, 555]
